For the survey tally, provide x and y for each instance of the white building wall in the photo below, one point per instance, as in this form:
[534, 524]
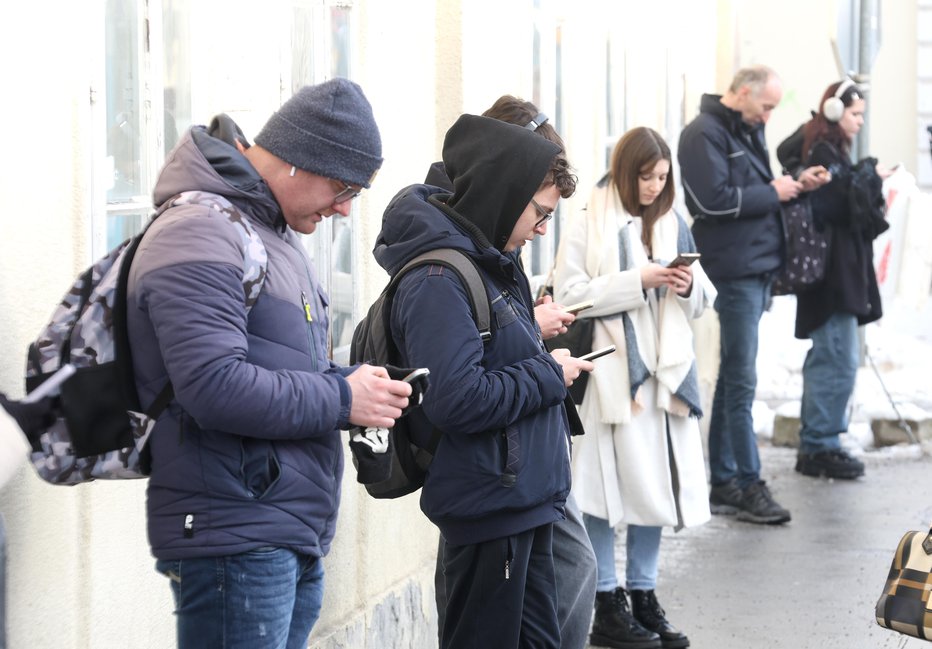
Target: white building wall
[79, 556]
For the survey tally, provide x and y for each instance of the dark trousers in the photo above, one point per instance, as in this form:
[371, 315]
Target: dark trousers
[501, 593]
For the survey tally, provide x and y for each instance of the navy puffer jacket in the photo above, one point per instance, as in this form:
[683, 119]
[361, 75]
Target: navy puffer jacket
[249, 453]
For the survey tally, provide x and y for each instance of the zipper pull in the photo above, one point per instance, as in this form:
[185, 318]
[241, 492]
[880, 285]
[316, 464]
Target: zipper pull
[507, 569]
[307, 307]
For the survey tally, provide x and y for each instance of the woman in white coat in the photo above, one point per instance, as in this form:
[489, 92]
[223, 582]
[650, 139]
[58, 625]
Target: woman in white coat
[640, 462]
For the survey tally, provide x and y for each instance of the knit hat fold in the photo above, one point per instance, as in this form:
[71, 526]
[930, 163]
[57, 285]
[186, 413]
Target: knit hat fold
[329, 130]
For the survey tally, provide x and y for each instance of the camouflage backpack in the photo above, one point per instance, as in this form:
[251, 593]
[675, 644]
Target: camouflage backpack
[99, 429]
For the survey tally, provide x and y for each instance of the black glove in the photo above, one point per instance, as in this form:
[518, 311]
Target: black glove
[419, 385]
[33, 418]
[371, 448]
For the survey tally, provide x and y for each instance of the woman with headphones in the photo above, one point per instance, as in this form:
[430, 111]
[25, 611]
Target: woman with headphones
[831, 312]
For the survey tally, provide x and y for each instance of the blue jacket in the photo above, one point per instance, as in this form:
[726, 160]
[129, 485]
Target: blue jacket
[502, 466]
[726, 180]
[249, 453]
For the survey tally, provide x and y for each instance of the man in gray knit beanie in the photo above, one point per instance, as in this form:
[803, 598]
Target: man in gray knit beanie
[329, 130]
[225, 307]
[318, 152]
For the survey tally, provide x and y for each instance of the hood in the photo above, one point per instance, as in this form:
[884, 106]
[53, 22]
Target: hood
[206, 159]
[417, 221]
[437, 176]
[496, 168]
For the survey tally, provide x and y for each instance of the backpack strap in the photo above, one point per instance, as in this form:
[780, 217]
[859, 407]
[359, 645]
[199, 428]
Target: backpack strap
[465, 268]
[255, 263]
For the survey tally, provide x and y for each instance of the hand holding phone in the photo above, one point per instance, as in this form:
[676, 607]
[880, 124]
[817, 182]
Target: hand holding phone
[598, 353]
[416, 374]
[579, 306]
[684, 259]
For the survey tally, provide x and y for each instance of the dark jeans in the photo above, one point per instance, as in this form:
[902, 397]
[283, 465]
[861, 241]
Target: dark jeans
[269, 597]
[489, 606]
[732, 443]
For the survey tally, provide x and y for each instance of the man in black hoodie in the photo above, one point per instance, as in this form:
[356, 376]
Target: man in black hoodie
[573, 559]
[500, 476]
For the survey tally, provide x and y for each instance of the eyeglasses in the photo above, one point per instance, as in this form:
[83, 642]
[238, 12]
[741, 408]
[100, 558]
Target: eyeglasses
[348, 193]
[544, 214]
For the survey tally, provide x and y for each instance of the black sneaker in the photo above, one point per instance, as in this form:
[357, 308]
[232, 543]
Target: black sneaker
[831, 464]
[647, 611]
[725, 498]
[758, 506]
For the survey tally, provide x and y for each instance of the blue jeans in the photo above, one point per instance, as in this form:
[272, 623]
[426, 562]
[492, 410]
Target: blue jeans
[642, 550]
[732, 443]
[829, 374]
[269, 597]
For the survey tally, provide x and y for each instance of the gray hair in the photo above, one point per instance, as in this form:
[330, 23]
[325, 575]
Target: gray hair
[755, 77]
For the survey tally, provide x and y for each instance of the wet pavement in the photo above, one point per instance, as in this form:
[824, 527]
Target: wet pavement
[810, 584]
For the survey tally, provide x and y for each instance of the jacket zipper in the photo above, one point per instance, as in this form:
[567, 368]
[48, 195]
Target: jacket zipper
[310, 319]
[308, 314]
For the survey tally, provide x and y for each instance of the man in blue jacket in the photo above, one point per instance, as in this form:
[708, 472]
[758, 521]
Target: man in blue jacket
[500, 476]
[735, 201]
[248, 459]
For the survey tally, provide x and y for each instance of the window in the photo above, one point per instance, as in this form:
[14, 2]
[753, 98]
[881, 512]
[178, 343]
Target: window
[169, 64]
[546, 93]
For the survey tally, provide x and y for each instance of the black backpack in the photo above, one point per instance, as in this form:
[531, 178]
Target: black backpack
[401, 468]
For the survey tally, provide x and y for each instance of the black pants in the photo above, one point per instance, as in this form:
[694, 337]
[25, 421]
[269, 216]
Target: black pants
[501, 593]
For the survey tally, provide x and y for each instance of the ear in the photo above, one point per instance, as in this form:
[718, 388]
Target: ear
[239, 145]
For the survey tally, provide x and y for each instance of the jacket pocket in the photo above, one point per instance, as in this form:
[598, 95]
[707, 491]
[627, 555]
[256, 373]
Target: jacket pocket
[503, 311]
[739, 168]
[511, 455]
[260, 469]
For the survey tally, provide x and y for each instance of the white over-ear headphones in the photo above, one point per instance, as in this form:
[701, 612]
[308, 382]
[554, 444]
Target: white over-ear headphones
[833, 108]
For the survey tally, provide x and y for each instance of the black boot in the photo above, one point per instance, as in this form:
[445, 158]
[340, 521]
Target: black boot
[647, 611]
[614, 625]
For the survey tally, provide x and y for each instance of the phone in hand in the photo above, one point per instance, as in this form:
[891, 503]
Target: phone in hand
[684, 259]
[598, 353]
[416, 374]
[579, 306]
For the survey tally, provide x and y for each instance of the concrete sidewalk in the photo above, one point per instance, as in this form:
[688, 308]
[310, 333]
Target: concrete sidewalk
[810, 584]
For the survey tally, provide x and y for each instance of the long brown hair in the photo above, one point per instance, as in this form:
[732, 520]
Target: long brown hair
[820, 129]
[637, 152]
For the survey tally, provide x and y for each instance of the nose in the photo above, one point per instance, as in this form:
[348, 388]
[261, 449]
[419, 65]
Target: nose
[542, 228]
[343, 209]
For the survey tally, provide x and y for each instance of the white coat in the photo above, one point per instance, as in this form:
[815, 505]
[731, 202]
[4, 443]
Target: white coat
[638, 462]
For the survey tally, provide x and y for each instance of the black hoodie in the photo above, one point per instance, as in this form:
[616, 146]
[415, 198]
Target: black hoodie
[496, 169]
[502, 464]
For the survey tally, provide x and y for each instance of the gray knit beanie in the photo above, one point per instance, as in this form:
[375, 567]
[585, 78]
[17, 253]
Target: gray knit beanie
[329, 130]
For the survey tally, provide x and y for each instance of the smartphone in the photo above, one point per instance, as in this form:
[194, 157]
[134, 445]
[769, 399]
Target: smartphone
[416, 374]
[598, 353]
[579, 306]
[684, 259]
[51, 385]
